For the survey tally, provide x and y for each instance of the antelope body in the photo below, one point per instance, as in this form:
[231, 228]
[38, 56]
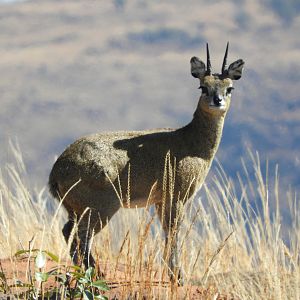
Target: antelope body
[104, 160]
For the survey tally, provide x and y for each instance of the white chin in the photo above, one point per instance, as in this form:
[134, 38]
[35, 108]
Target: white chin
[220, 108]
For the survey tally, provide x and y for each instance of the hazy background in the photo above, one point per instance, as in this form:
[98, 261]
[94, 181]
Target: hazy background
[70, 68]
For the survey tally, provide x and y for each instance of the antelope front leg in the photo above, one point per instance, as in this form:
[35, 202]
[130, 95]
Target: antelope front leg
[172, 257]
[80, 244]
[170, 220]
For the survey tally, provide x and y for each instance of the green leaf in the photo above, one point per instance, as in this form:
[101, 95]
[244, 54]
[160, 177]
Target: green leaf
[83, 280]
[89, 273]
[41, 277]
[60, 277]
[101, 297]
[55, 271]
[76, 294]
[20, 252]
[80, 287]
[76, 268]
[87, 295]
[77, 274]
[101, 285]
[52, 256]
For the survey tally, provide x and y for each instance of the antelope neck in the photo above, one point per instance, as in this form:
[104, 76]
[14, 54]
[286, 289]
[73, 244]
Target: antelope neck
[205, 133]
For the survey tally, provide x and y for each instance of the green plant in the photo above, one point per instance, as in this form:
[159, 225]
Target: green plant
[86, 284]
[34, 288]
[73, 282]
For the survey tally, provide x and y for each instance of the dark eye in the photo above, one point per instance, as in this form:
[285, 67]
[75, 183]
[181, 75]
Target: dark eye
[204, 89]
[229, 90]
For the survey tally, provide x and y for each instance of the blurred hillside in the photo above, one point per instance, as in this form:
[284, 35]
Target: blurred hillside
[71, 68]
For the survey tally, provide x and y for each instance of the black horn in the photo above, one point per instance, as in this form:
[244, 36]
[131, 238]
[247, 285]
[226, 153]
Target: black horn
[224, 65]
[208, 64]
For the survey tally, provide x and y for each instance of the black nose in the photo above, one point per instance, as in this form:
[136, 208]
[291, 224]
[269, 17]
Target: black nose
[217, 100]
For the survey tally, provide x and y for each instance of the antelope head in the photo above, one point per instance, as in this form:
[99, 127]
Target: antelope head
[216, 88]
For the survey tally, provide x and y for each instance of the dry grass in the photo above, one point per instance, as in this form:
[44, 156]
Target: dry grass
[232, 241]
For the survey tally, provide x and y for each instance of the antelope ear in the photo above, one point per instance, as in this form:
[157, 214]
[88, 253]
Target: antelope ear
[197, 67]
[235, 69]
